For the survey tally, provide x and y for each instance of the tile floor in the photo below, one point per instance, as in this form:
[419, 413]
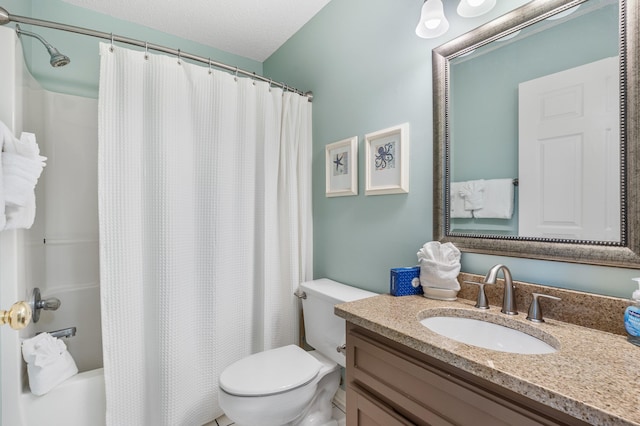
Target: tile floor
[338, 414]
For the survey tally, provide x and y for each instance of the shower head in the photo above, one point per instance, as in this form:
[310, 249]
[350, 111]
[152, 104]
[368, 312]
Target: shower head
[57, 58]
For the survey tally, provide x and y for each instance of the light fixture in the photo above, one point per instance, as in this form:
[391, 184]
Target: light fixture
[473, 8]
[432, 22]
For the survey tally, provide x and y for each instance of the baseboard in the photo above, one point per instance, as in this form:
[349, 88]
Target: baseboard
[340, 399]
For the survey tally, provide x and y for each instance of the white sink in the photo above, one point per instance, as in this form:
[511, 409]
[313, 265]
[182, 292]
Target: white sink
[487, 335]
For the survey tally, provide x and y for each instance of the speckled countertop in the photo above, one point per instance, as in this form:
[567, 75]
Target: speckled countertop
[594, 375]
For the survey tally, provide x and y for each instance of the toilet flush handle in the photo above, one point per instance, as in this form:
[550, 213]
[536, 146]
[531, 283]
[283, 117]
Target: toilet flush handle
[342, 349]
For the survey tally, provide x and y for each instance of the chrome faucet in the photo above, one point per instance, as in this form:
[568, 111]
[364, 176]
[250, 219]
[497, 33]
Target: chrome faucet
[509, 299]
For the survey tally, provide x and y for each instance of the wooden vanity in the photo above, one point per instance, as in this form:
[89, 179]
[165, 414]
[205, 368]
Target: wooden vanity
[401, 373]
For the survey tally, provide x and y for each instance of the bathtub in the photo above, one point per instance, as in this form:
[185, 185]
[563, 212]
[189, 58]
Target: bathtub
[79, 401]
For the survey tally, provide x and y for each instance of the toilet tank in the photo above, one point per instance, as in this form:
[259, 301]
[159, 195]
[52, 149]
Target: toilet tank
[323, 329]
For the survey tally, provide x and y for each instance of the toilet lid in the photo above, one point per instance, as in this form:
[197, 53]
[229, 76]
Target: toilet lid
[269, 372]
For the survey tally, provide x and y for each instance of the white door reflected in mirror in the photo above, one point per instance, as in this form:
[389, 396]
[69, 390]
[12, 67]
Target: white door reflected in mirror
[569, 154]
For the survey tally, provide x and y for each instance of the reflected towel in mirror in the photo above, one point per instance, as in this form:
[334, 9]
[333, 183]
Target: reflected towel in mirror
[498, 199]
[456, 204]
[473, 194]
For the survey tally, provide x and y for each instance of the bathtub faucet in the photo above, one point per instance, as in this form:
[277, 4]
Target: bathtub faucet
[65, 332]
[38, 303]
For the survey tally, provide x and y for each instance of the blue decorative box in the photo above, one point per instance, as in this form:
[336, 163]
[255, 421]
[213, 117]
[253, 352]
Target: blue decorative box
[405, 281]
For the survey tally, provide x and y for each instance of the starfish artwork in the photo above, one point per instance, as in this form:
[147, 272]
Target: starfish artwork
[341, 163]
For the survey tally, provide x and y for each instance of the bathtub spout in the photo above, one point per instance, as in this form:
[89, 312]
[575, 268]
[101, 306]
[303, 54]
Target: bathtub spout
[65, 332]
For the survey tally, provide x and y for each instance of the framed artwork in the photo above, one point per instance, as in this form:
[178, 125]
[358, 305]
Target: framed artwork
[387, 161]
[342, 168]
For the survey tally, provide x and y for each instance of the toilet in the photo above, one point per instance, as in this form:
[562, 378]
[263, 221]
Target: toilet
[288, 385]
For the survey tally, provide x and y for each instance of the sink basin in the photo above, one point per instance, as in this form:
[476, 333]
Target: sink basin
[487, 335]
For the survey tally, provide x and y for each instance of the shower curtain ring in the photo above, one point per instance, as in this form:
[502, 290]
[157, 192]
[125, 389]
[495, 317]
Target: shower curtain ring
[179, 57]
[236, 75]
[210, 70]
[111, 48]
[146, 50]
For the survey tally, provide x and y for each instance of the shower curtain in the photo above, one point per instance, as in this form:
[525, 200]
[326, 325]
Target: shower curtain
[205, 230]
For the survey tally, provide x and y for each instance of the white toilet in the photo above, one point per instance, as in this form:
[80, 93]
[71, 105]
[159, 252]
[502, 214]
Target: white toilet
[288, 385]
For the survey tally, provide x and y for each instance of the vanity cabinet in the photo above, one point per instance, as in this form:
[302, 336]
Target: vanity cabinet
[390, 384]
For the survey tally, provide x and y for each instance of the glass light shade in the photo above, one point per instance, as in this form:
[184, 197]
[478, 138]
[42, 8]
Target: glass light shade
[473, 8]
[432, 22]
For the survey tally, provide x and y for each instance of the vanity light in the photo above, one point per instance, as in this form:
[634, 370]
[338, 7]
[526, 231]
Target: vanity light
[432, 22]
[473, 8]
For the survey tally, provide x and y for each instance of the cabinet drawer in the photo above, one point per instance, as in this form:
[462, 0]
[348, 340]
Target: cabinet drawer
[426, 395]
[366, 411]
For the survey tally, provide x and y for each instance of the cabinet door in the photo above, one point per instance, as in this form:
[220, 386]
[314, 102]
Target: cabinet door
[425, 393]
[366, 411]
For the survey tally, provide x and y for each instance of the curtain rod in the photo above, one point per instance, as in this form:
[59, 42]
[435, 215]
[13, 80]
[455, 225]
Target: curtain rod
[6, 17]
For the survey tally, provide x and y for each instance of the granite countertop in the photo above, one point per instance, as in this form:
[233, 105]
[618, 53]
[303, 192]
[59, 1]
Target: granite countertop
[593, 376]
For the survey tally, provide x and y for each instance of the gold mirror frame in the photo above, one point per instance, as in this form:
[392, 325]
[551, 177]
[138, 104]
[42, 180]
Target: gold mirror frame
[626, 253]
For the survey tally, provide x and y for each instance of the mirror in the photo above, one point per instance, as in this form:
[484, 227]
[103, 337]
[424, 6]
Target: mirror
[536, 134]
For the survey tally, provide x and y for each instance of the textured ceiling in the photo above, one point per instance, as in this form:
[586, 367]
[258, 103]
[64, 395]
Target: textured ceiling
[253, 29]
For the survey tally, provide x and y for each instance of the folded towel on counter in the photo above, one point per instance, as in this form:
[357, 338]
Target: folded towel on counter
[456, 204]
[472, 192]
[498, 199]
[20, 167]
[439, 265]
[48, 362]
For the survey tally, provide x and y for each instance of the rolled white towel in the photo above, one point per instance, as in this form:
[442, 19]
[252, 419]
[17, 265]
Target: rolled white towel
[439, 265]
[48, 362]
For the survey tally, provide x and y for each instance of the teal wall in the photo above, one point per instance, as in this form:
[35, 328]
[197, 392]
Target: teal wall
[368, 71]
[81, 76]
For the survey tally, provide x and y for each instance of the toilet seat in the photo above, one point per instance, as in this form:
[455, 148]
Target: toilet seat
[270, 372]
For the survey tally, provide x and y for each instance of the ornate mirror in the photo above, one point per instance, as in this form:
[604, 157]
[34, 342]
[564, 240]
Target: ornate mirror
[536, 134]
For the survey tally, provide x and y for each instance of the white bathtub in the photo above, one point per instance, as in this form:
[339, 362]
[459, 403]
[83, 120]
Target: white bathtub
[79, 401]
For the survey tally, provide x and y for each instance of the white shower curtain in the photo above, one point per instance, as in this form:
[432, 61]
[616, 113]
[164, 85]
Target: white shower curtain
[205, 230]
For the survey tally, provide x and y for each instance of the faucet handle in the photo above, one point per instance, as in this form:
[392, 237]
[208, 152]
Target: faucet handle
[481, 302]
[535, 311]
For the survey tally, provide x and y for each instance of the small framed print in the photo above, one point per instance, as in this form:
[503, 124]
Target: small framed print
[387, 161]
[342, 168]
